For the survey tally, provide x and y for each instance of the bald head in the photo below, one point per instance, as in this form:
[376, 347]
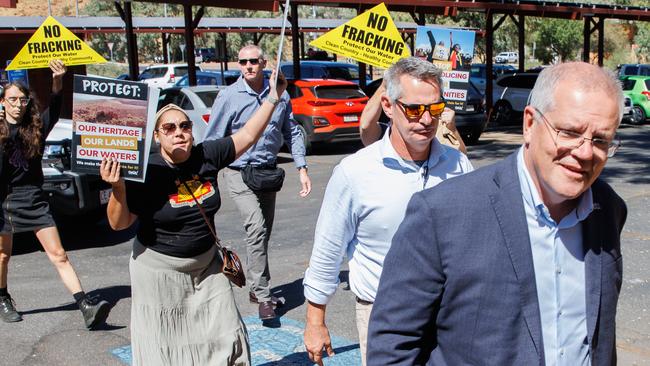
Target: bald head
[581, 75]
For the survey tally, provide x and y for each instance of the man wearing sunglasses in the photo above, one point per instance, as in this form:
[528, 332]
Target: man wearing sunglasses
[232, 108]
[367, 195]
[518, 263]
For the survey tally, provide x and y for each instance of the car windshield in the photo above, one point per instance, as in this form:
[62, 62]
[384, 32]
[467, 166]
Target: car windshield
[477, 72]
[156, 72]
[207, 97]
[180, 71]
[338, 92]
[342, 72]
[628, 84]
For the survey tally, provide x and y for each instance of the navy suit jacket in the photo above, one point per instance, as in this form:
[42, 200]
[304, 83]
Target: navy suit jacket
[458, 284]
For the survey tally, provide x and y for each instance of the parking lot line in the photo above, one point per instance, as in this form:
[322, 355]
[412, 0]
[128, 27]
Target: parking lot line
[279, 344]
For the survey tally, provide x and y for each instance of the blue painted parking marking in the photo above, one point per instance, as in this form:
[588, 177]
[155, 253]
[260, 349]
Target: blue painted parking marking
[281, 346]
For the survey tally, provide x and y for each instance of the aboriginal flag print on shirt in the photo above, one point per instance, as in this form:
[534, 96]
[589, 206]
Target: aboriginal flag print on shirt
[169, 220]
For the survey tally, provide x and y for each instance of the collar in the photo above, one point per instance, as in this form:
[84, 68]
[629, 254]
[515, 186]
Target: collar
[532, 199]
[391, 158]
[243, 87]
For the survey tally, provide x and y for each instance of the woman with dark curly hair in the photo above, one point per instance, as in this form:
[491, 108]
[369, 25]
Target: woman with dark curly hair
[22, 141]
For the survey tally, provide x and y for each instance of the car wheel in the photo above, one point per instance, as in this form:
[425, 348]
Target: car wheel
[501, 113]
[638, 116]
[305, 139]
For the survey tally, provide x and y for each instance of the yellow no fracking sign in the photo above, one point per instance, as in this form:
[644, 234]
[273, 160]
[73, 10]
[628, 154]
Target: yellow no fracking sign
[54, 41]
[371, 38]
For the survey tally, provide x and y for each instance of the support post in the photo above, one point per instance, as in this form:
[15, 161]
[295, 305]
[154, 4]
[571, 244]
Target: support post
[295, 40]
[131, 40]
[521, 44]
[489, 42]
[586, 39]
[601, 40]
[189, 44]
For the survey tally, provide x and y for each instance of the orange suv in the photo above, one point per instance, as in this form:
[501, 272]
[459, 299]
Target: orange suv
[326, 109]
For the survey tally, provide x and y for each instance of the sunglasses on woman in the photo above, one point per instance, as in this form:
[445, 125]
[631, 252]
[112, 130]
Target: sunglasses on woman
[169, 128]
[253, 61]
[415, 111]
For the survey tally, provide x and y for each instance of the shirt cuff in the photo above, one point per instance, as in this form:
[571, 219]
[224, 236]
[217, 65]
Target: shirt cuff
[299, 161]
[318, 292]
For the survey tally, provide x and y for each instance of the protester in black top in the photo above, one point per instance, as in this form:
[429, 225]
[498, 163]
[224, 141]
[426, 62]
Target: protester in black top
[183, 310]
[22, 141]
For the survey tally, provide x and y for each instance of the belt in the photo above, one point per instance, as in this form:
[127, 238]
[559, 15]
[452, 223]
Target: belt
[363, 302]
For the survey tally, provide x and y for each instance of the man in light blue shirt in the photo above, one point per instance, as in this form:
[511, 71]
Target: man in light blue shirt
[367, 195]
[232, 108]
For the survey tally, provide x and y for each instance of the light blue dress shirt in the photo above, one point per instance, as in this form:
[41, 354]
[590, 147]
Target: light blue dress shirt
[236, 104]
[558, 258]
[364, 204]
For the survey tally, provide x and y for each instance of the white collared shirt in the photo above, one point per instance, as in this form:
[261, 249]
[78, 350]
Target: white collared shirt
[364, 204]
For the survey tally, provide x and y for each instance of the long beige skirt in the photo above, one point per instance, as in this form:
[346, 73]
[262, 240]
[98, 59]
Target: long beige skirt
[183, 311]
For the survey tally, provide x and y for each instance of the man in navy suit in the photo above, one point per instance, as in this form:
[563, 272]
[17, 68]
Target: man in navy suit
[518, 263]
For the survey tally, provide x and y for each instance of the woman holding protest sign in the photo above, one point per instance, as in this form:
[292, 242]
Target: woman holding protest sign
[22, 141]
[183, 309]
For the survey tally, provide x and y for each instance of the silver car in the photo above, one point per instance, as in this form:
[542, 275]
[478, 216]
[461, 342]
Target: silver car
[510, 96]
[196, 101]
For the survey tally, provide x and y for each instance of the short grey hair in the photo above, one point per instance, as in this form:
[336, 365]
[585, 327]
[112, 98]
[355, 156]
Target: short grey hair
[586, 76]
[253, 47]
[413, 67]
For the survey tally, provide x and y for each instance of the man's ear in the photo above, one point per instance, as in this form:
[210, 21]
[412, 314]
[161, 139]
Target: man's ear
[528, 123]
[387, 106]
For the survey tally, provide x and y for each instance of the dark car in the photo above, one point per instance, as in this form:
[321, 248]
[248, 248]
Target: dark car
[324, 70]
[472, 120]
[206, 54]
[70, 194]
[211, 78]
[478, 74]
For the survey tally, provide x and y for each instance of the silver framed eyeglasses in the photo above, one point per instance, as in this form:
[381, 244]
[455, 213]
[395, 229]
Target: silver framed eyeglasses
[573, 140]
[15, 100]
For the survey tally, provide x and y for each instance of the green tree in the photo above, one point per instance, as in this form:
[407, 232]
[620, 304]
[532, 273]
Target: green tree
[558, 40]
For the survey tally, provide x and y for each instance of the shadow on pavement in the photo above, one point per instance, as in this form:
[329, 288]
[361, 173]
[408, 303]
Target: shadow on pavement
[292, 294]
[301, 358]
[79, 235]
[111, 294]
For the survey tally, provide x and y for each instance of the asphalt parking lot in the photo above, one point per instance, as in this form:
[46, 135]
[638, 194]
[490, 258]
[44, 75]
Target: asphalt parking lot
[53, 333]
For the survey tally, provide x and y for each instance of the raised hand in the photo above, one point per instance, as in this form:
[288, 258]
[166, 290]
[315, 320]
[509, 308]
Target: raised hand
[58, 70]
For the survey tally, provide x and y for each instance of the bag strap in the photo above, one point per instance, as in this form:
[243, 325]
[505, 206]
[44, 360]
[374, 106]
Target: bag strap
[217, 242]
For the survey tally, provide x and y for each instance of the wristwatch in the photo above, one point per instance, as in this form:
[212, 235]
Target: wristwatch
[302, 167]
[273, 100]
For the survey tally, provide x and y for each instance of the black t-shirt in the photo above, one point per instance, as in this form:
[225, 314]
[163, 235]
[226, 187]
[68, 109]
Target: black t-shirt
[17, 169]
[170, 221]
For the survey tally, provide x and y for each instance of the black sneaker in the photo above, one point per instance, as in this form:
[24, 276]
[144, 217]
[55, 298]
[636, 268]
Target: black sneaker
[95, 313]
[8, 311]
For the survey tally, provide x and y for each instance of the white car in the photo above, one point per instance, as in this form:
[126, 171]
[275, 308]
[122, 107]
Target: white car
[510, 95]
[196, 101]
[506, 57]
[163, 76]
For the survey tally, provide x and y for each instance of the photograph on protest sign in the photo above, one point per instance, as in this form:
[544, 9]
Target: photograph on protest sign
[371, 38]
[112, 119]
[54, 41]
[451, 50]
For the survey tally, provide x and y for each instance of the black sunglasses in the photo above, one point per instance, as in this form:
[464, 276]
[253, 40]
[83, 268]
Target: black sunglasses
[169, 128]
[253, 61]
